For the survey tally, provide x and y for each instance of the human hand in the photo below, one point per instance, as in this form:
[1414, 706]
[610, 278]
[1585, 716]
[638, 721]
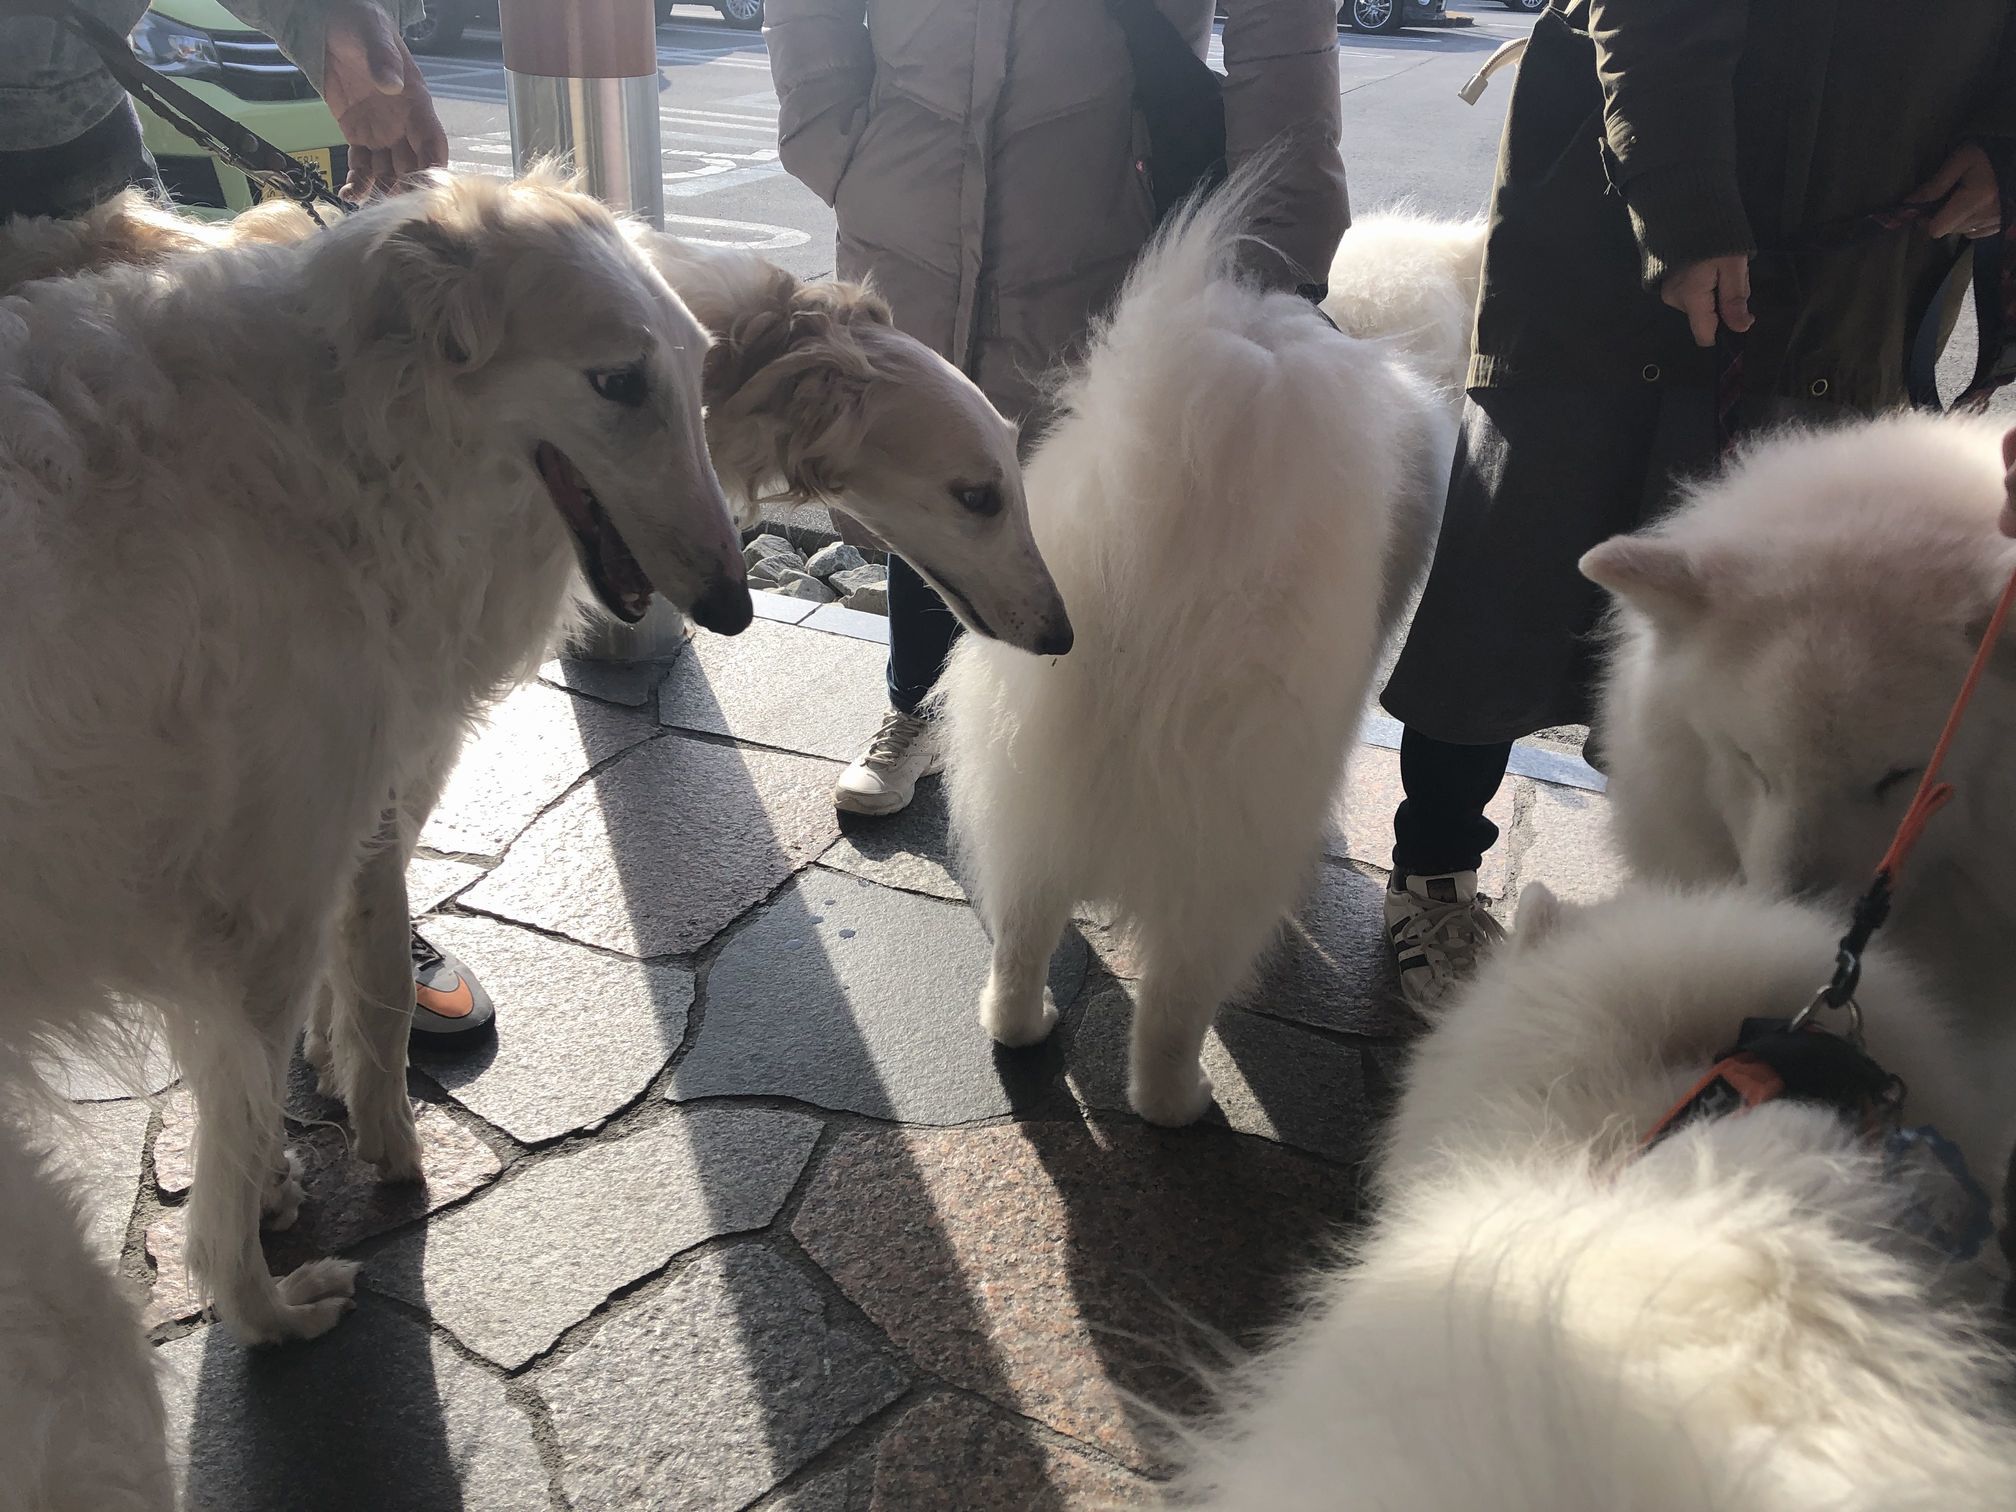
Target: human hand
[1973, 200]
[379, 99]
[2009, 483]
[1711, 294]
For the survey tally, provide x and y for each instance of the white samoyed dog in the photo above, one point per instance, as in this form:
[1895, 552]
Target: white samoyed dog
[1412, 281]
[1543, 1318]
[1787, 644]
[1232, 502]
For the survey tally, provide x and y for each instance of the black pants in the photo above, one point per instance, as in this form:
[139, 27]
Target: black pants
[71, 178]
[1440, 826]
[921, 632]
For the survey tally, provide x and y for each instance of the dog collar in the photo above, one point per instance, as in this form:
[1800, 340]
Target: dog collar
[1772, 1059]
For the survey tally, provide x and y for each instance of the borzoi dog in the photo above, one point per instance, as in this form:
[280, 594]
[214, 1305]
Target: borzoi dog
[1745, 1317]
[1234, 499]
[231, 493]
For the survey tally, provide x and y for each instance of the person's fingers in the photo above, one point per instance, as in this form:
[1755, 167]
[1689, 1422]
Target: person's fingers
[384, 50]
[405, 160]
[429, 137]
[2009, 519]
[1732, 295]
[1941, 183]
[357, 184]
[2009, 449]
[1701, 319]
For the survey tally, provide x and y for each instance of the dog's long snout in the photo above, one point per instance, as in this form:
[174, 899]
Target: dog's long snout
[1055, 638]
[725, 607]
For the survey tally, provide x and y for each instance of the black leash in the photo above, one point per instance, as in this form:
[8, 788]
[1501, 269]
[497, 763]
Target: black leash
[204, 124]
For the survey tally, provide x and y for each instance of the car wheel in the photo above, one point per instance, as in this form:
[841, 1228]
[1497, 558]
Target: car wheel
[1374, 15]
[1530, 7]
[745, 14]
[439, 28]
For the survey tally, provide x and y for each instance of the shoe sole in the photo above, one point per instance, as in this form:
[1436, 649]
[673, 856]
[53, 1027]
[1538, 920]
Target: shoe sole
[879, 808]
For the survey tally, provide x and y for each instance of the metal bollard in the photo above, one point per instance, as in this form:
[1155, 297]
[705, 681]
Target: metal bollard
[581, 78]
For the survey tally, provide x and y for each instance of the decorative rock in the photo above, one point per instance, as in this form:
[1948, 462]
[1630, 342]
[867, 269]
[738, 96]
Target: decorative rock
[584, 1036]
[846, 995]
[374, 1415]
[133, 1061]
[871, 599]
[344, 1203]
[710, 1393]
[430, 882]
[857, 578]
[772, 572]
[779, 686]
[628, 683]
[1331, 966]
[1270, 1079]
[1571, 847]
[663, 850]
[1362, 817]
[539, 743]
[839, 557]
[1070, 1272]
[766, 546]
[580, 1226]
[911, 849]
[802, 585]
[102, 1155]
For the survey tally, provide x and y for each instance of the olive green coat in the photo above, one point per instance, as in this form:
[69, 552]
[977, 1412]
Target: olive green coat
[1647, 134]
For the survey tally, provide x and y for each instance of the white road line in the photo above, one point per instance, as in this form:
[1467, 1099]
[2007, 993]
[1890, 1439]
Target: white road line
[751, 236]
[694, 184]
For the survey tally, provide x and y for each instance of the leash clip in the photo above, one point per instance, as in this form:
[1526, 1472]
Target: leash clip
[1838, 993]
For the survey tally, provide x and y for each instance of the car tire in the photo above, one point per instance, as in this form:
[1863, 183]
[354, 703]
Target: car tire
[1529, 7]
[743, 15]
[1377, 17]
[439, 28]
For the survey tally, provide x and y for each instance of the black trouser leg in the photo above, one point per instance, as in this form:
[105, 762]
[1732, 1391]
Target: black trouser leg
[921, 632]
[1440, 827]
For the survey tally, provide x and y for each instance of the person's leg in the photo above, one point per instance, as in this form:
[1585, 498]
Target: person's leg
[75, 176]
[921, 632]
[1440, 826]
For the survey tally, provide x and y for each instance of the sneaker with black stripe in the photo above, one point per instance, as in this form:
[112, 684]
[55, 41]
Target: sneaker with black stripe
[1437, 927]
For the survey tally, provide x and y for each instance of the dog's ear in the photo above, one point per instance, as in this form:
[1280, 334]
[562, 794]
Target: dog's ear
[1539, 914]
[428, 289]
[1651, 573]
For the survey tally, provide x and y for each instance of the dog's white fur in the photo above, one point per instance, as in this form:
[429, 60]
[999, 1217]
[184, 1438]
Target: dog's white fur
[1412, 281]
[1787, 645]
[1231, 501]
[1538, 1322]
[271, 535]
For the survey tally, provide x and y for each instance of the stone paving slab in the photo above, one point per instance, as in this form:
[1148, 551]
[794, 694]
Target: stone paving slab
[1331, 967]
[819, 695]
[628, 683]
[539, 743]
[780, 607]
[509, 1274]
[666, 847]
[709, 1393]
[1571, 848]
[1362, 817]
[374, 1416]
[851, 996]
[837, 619]
[344, 1202]
[1270, 1079]
[101, 1148]
[952, 1452]
[432, 881]
[911, 850]
[580, 1034]
[1070, 1272]
[140, 1066]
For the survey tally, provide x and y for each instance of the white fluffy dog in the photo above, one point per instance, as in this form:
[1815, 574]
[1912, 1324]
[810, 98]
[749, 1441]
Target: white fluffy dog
[1787, 645]
[276, 522]
[1411, 281]
[1231, 501]
[1543, 1319]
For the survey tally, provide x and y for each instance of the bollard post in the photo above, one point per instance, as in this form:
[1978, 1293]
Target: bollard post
[581, 78]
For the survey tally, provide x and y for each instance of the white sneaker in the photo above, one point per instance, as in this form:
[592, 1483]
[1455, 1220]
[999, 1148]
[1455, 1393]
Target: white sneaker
[1436, 927]
[884, 779]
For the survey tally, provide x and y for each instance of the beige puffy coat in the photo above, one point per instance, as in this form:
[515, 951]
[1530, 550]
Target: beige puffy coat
[982, 157]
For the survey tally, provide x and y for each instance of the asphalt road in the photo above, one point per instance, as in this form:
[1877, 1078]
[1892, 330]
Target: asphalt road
[1406, 134]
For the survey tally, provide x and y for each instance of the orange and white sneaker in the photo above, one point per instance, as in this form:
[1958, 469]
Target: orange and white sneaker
[450, 1007]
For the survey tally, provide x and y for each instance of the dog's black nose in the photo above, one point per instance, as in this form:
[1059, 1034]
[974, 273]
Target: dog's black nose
[1056, 640]
[724, 608]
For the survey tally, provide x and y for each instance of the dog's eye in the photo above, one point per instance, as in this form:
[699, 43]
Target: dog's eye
[981, 499]
[625, 385]
[1893, 777]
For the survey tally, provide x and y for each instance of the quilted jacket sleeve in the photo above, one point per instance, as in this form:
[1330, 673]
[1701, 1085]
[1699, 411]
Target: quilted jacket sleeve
[1668, 70]
[301, 26]
[824, 70]
[1281, 93]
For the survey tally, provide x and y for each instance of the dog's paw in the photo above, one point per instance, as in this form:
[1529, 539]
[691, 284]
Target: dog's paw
[1170, 1096]
[305, 1304]
[280, 1201]
[389, 1141]
[1017, 1024]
